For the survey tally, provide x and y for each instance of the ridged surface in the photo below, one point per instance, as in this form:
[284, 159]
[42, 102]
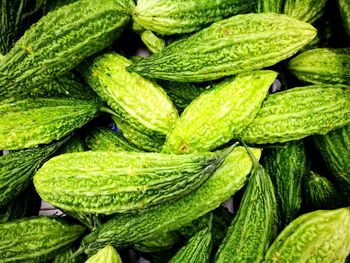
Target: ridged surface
[228, 47]
[106, 255]
[74, 144]
[36, 239]
[320, 193]
[140, 140]
[255, 224]
[17, 169]
[108, 182]
[269, 6]
[334, 148]
[287, 165]
[64, 256]
[305, 10]
[344, 6]
[123, 230]
[320, 236]
[184, 16]
[58, 42]
[105, 139]
[197, 249]
[152, 42]
[162, 241]
[136, 100]
[220, 113]
[299, 112]
[322, 65]
[30, 122]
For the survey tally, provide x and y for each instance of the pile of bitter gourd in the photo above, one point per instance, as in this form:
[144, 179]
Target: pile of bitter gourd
[238, 99]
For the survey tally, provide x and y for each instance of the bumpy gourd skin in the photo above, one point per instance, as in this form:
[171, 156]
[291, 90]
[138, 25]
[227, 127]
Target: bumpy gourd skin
[36, 239]
[269, 6]
[305, 10]
[106, 255]
[170, 17]
[219, 114]
[137, 101]
[334, 148]
[108, 182]
[127, 229]
[163, 241]
[287, 164]
[320, 236]
[237, 44]
[58, 42]
[322, 65]
[344, 7]
[299, 112]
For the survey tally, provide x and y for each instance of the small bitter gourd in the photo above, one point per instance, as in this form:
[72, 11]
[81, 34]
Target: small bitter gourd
[228, 47]
[152, 42]
[136, 100]
[283, 115]
[320, 193]
[168, 17]
[269, 6]
[36, 239]
[334, 148]
[219, 114]
[58, 42]
[287, 165]
[106, 255]
[127, 229]
[319, 236]
[108, 182]
[305, 10]
[322, 65]
[255, 224]
[344, 7]
[74, 144]
[30, 122]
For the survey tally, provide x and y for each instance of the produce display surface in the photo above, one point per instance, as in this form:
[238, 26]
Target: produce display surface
[180, 131]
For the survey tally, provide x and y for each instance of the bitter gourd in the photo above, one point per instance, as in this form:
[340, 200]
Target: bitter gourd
[65, 257]
[30, 122]
[344, 7]
[17, 168]
[299, 112]
[197, 249]
[269, 6]
[136, 100]
[152, 42]
[287, 165]
[305, 10]
[228, 47]
[322, 65]
[168, 17]
[36, 239]
[319, 236]
[127, 229]
[220, 113]
[334, 148]
[106, 255]
[161, 242]
[105, 139]
[74, 144]
[108, 182]
[320, 193]
[255, 224]
[58, 42]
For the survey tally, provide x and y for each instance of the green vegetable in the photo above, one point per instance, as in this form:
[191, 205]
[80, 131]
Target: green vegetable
[344, 7]
[299, 112]
[108, 182]
[152, 42]
[255, 224]
[30, 122]
[234, 45]
[334, 148]
[58, 42]
[269, 6]
[319, 236]
[136, 100]
[305, 10]
[320, 193]
[322, 65]
[65, 257]
[197, 249]
[36, 239]
[105, 139]
[170, 17]
[74, 144]
[128, 229]
[158, 243]
[106, 255]
[17, 169]
[219, 114]
[287, 164]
